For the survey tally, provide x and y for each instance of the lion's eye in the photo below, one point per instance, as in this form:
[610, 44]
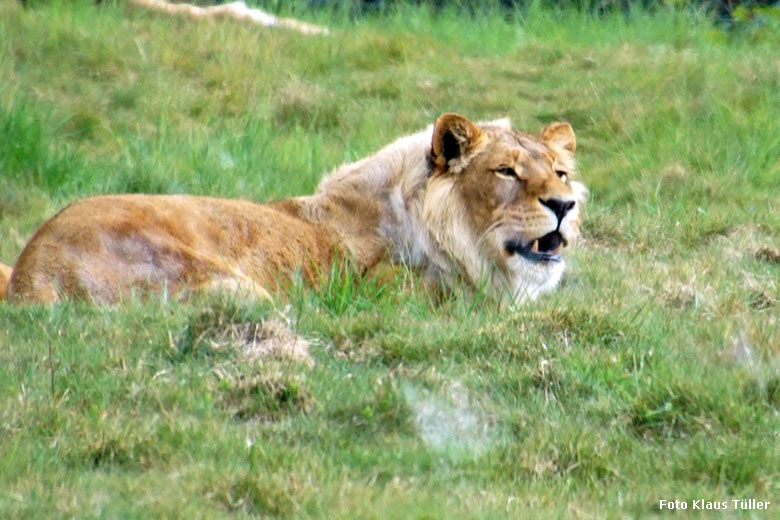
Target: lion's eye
[562, 175]
[506, 171]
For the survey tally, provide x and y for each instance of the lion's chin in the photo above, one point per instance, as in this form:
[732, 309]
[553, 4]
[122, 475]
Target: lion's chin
[530, 279]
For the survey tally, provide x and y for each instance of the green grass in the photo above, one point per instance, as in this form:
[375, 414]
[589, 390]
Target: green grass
[651, 374]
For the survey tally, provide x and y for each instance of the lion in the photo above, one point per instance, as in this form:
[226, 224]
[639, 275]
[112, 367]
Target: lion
[480, 202]
[234, 10]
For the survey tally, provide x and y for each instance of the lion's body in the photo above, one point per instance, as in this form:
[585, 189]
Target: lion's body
[165, 242]
[412, 203]
[5, 277]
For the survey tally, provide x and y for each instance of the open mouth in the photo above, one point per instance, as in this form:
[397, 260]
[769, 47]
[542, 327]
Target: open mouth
[543, 249]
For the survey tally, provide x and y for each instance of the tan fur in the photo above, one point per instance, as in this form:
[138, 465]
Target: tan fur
[472, 211]
[431, 201]
[5, 276]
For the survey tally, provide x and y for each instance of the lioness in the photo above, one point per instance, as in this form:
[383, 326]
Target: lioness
[483, 202]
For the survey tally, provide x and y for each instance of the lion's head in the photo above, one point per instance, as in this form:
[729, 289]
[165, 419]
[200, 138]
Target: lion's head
[503, 203]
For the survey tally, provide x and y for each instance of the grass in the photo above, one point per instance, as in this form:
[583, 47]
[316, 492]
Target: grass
[651, 374]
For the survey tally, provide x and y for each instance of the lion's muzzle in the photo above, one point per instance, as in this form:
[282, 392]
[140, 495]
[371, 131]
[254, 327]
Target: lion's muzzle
[543, 249]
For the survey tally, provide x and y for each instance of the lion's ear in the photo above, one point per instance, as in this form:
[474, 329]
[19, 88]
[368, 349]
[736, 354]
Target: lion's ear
[560, 135]
[454, 137]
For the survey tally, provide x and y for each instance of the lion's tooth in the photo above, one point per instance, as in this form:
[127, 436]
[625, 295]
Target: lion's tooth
[535, 247]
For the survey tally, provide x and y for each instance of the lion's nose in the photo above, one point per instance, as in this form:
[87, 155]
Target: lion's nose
[558, 206]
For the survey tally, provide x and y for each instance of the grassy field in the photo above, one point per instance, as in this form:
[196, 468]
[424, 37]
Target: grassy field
[653, 373]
